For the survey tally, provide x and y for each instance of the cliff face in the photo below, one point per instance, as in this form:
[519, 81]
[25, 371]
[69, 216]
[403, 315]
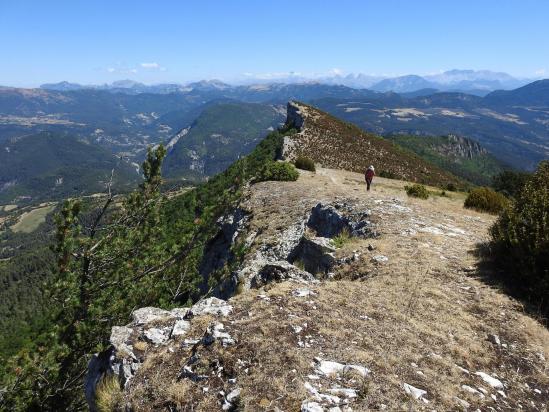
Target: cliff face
[462, 147]
[334, 144]
[347, 300]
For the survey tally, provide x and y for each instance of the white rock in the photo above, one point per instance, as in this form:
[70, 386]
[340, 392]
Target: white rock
[462, 369]
[414, 392]
[380, 258]
[308, 406]
[345, 392]
[218, 332]
[490, 380]
[462, 402]
[469, 389]
[119, 335]
[302, 293]
[156, 335]
[330, 368]
[212, 306]
[149, 314]
[181, 327]
[180, 313]
[235, 393]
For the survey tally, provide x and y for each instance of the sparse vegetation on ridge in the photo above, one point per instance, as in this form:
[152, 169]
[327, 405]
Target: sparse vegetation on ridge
[336, 144]
[281, 171]
[485, 199]
[417, 190]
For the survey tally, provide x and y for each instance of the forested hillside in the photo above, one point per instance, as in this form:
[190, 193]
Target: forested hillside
[54, 166]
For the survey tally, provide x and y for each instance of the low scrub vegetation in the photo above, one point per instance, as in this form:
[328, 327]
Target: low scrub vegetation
[305, 163]
[485, 199]
[520, 239]
[281, 171]
[417, 190]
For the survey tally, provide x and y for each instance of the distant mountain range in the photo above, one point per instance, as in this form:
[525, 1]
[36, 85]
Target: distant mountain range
[208, 124]
[478, 82]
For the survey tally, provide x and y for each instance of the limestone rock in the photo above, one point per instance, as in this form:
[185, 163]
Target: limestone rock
[157, 335]
[181, 327]
[414, 392]
[212, 306]
[149, 314]
[490, 380]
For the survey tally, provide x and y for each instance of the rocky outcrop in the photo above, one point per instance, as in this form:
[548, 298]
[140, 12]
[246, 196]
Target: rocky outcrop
[151, 327]
[219, 252]
[305, 251]
[295, 116]
[461, 147]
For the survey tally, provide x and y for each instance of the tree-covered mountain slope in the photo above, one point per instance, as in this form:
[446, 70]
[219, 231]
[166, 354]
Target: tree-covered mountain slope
[461, 156]
[221, 134]
[335, 144]
[51, 166]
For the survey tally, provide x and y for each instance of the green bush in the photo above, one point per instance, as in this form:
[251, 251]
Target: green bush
[305, 163]
[510, 182]
[485, 199]
[388, 175]
[417, 190]
[281, 171]
[520, 239]
[451, 187]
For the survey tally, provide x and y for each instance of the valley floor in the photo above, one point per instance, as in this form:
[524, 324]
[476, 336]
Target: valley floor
[407, 324]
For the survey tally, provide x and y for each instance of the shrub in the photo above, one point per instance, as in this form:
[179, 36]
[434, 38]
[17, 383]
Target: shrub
[485, 199]
[417, 190]
[451, 187]
[510, 182]
[281, 171]
[305, 163]
[388, 175]
[520, 239]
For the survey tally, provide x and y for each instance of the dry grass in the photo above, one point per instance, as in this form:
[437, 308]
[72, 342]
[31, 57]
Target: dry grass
[417, 318]
[109, 396]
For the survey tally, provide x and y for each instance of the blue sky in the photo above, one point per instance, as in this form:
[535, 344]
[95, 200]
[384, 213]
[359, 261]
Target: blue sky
[179, 41]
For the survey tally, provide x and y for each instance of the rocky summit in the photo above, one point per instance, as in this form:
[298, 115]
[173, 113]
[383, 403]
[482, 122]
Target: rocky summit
[345, 300]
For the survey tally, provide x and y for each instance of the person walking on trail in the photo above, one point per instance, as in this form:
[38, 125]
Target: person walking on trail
[369, 175]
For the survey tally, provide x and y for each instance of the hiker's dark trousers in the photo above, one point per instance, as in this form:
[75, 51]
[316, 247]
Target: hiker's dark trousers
[368, 183]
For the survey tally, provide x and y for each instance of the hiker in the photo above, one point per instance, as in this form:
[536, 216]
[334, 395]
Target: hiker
[369, 176]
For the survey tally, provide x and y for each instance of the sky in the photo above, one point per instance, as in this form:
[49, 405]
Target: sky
[98, 41]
